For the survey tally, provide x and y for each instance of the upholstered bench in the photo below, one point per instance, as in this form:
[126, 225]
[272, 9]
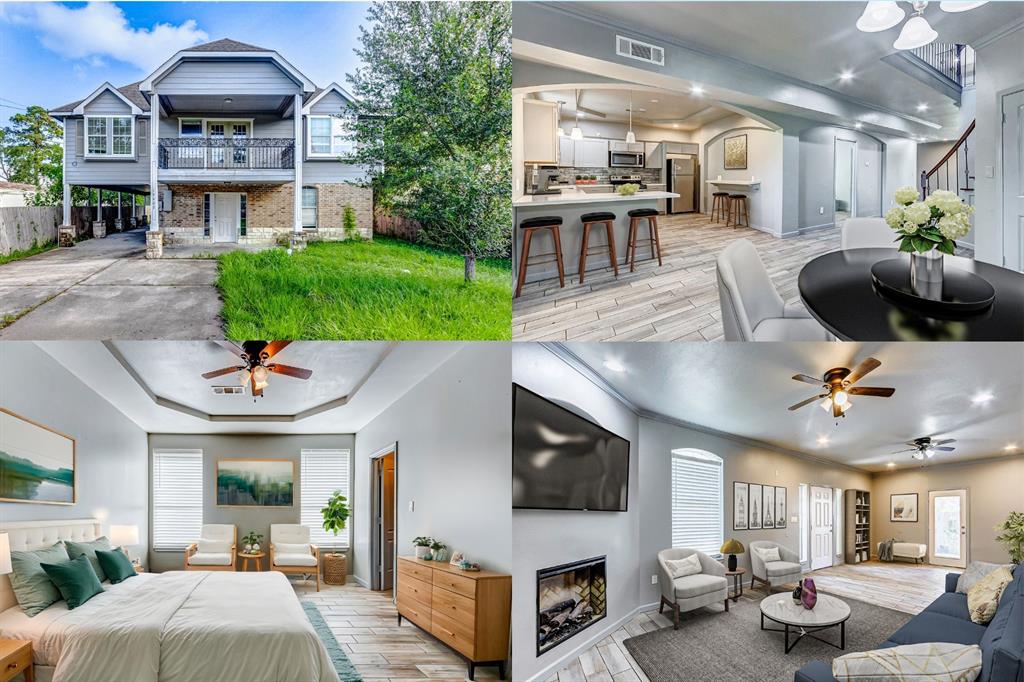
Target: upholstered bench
[909, 550]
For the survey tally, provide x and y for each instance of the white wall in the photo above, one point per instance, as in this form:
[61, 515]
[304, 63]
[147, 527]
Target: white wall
[111, 470]
[550, 538]
[453, 431]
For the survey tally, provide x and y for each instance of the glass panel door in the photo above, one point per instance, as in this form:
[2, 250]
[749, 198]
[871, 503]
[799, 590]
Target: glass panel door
[947, 515]
[240, 153]
[215, 131]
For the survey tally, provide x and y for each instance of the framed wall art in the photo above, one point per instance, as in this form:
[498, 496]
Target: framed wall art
[740, 504]
[735, 150]
[255, 482]
[755, 506]
[37, 463]
[903, 507]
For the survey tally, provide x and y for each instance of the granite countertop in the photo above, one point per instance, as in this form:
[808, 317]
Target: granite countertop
[576, 196]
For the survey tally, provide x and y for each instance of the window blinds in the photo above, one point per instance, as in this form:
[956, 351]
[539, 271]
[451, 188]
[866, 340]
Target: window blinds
[177, 498]
[697, 501]
[323, 472]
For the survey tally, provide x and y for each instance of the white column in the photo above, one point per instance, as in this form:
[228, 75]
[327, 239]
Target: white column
[299, 151]
[120, 215]
[67, 205]
[99, 204]
[154, 152]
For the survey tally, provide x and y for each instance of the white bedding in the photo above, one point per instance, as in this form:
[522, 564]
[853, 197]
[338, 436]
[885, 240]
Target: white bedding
[179, 627]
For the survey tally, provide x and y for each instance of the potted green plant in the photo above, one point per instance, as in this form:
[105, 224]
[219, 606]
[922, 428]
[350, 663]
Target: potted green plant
[439, 550]
[422, 544]
[1011, 535]
[251, 541]
[335, 516]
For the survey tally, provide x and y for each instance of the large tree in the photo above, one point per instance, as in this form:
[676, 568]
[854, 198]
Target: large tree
[32, 149]
[435, 114]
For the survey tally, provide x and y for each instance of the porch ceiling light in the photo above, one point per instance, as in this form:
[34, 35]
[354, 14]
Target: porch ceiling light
[961, 6]
[228, 100]
[916, 33]
[879, 16]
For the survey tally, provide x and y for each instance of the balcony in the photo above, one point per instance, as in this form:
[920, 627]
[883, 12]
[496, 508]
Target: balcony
[204, 159]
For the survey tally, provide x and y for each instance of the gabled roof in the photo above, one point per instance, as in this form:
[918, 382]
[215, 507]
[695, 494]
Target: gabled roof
[226, 45]
[319, 93]
[107, 87]
[130, 91]
[16, 186]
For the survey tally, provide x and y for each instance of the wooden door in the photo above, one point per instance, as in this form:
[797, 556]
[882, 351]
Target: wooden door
[947, 523]
[1013, 180]
[821, 527]
[388, 521]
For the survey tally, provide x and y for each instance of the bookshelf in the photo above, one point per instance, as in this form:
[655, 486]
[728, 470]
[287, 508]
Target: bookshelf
[856, 526]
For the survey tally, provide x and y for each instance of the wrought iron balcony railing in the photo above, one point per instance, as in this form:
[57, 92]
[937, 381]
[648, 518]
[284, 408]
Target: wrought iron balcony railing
[206, 153]
[953, 61]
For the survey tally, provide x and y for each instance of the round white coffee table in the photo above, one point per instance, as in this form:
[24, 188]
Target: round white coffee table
[827, 613]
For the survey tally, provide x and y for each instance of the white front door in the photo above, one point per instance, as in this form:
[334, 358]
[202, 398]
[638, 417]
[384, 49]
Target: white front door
[1013, 181]
[947, 520]
[224, 221]
[821, 527]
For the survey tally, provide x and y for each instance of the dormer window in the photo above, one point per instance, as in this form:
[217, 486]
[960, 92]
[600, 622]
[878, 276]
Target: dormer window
[328, 137]
[110, 136]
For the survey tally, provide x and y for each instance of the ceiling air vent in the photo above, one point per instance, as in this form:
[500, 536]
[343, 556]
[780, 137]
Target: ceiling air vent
[229, 390]
[644, 52]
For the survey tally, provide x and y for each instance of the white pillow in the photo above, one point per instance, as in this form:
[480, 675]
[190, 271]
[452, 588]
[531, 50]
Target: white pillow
[770, 554]
[214, 546]
[678, 568]
[927, 661]
[976, 570]
[287, 548]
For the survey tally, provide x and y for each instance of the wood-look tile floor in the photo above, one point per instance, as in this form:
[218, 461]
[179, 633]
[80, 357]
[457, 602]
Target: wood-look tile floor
[903, 587]
[365, 623]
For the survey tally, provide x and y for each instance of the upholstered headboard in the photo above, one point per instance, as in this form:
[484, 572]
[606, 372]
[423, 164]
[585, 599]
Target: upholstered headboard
[30, 535]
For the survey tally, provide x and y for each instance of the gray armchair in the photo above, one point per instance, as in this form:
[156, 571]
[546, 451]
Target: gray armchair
[773, 573]
[692, 591]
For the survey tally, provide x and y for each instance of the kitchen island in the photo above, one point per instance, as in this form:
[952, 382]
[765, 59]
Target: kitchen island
[569, 205]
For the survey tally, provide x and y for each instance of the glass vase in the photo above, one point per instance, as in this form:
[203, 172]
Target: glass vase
[926, 274]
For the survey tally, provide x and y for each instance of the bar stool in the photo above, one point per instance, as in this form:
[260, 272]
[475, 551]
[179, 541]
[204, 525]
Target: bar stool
[589, 219]
[635, 216]
[719, 204]
[529, 226]
[738, 210]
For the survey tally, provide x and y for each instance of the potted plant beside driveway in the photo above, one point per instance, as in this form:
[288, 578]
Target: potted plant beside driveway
[335, 516]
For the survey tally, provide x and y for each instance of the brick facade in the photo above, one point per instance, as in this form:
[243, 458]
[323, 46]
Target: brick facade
[268, 212]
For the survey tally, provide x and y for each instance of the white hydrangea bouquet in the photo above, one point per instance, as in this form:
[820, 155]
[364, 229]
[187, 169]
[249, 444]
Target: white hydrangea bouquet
[934, 223]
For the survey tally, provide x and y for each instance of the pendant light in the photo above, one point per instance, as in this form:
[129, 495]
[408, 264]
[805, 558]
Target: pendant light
[630, 137]
[961, 5]
[576, 133]
[917, 32]
[879, 16]
[561, 133]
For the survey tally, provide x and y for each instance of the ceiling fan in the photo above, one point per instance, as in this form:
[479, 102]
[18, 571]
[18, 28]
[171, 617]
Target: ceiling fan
[255, 368]
[838, 385]
[925, 448]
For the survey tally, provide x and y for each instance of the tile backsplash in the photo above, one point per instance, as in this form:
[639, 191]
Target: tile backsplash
[649, 175]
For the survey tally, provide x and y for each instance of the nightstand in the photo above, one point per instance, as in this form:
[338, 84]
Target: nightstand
[15, 659]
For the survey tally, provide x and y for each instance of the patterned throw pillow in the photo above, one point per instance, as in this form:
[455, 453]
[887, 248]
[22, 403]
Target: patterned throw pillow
[769, 554]
[679, 568]
[976, 570]
[912, 662]
[983, 597]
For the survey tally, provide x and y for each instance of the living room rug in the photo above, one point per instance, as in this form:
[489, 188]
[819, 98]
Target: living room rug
[712, 644]
[346, 671]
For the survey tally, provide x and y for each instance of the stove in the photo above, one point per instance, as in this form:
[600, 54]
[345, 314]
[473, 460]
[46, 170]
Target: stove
[617, 180]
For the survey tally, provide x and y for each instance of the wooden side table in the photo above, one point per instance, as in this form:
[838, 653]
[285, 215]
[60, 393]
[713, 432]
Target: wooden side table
[16, 659]
[254, 557]
[737, 582]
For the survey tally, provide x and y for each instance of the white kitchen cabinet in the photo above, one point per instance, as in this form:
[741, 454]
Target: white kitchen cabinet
[623, 146]
[540, 132]
[654, 154]
[566, 151]
[591, 153]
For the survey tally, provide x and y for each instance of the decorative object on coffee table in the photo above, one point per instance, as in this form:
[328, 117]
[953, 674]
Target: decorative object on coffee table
[798, 593]
[808, 593]
[829, 613]
[732, 547]
[335, 568]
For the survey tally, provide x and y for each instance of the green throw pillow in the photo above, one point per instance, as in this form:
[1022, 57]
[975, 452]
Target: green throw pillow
[115, 564]
[32, 586]
[77, 549]
[75, 579]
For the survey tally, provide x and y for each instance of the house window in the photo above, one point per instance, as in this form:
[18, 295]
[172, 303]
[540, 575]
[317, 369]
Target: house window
[242, 207]
[96, 128]
[122, 135]
[309, 196]
[190, 127]
[323, 472]
[206, 214]
[177, 498]
[111, 136]
[697, 501]
[320, 135]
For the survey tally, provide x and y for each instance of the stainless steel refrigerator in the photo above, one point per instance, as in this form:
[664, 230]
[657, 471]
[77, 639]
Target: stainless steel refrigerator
[683, 178]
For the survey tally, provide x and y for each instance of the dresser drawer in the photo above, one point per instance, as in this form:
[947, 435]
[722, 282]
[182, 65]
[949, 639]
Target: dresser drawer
[16, 664]
[415, 612]
[456, 583]
[416, 590]
[452, 634]
[415, 570]
[455, 606]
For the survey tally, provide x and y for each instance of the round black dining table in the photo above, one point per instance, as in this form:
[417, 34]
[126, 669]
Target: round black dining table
[838, 291]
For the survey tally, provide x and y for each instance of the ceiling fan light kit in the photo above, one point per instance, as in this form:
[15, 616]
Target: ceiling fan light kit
[917, 32]
[255, 372]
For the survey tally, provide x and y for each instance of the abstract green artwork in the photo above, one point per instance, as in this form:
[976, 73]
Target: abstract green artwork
[37, 464]
[255, 482]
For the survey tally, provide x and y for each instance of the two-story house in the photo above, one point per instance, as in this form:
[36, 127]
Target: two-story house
[230, 141]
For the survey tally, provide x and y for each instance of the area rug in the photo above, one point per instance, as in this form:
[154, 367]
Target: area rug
[712, 644]
[346, 671]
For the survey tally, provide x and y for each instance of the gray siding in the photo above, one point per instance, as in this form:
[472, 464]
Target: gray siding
[227, 77]
[331, 103]
[327, 170]
[107, 103]
[81, 171]
[264, 125]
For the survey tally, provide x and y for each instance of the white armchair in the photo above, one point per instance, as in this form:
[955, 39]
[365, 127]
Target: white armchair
[215, 549]
[291, 551]
[690, 592]
[773, 573]
[866, 233]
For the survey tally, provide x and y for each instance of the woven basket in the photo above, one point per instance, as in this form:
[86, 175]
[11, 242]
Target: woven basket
[335, 569]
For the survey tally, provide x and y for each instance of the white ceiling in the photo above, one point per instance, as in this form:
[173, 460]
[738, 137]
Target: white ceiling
[744, 389]
[170, 370]
[812, 41]
[671, 110]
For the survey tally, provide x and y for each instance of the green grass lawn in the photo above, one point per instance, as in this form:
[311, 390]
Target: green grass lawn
[380, 289]
[18, 255]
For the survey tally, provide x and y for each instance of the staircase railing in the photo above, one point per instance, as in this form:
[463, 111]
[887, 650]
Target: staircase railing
[953, 171]
[953, 61]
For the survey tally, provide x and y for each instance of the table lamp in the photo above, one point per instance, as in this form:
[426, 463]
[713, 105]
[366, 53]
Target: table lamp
[5, 554]
[732, 547]
[125, 537]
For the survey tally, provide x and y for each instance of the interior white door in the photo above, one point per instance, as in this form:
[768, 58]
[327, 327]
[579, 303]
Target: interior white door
[821, 527]
[947, 521]
[1013, 180]
[225, 217]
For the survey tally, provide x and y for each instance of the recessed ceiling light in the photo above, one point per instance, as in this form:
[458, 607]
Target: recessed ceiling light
[614, 365]
[929, 424]
[891, 464]
[582, 114]
[654, 101]
[858, 125]
[823, 440]
[923, 106]
[1010, 447]
[641, 109]
[982, 398]
[697, 90]
[675, 125]
[846, 75]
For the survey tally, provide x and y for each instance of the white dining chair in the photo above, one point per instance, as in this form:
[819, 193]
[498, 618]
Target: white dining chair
[752, 309]
[866, 233]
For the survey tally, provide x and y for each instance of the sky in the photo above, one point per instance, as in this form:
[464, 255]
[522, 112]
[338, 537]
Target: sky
[55, 53]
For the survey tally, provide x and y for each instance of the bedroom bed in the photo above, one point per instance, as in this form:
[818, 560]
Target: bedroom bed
[168, 627]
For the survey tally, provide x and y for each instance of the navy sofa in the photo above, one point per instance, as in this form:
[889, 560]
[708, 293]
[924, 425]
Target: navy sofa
[947, 620]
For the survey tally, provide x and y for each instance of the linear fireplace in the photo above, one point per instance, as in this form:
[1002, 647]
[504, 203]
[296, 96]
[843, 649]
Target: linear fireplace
[570, 598]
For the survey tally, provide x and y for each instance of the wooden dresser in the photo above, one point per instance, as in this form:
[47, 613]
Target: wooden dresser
[470, 611]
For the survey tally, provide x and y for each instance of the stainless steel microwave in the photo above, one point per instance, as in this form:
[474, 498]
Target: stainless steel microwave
[625, 159]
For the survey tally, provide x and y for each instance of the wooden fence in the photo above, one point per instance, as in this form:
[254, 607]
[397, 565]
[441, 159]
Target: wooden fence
[393, 226]
[22, 227]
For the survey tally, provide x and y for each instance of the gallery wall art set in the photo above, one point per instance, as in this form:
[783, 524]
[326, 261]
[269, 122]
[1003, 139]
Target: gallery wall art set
[756, 506]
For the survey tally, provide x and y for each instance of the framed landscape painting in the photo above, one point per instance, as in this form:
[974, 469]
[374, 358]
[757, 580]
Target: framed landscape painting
[736, 152]
[903, 507]
[255, 482]
[739, 505]
[37, 464]
[780, 507]
[768, 508]
[755, 506]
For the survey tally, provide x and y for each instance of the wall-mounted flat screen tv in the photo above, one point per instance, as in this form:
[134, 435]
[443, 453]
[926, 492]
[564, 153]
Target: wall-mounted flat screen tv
[562, 461]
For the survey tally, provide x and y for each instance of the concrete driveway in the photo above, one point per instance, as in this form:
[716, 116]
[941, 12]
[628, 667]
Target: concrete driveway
[106, 289]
